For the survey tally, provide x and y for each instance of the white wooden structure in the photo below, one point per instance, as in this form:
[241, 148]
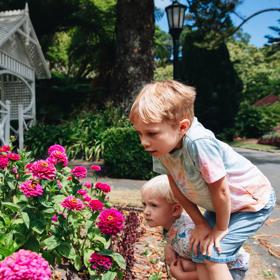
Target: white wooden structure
[21, 61]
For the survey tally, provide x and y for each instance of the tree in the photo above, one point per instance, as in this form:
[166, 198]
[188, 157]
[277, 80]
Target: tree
[274, 41]
[134, 49]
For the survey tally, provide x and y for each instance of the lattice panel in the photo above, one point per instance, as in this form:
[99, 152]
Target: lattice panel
[18, 93]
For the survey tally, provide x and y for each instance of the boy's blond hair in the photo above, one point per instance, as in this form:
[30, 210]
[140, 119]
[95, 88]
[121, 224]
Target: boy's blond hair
[164, 101]
[160, 185]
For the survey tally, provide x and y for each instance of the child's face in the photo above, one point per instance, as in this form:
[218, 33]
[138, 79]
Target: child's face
[157, 210]
[159, 138]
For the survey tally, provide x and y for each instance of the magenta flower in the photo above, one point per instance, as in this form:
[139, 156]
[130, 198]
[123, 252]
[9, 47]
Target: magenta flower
[72, 203]
[88, 185]
[95, 168]
[23, 265]
[96, 205]
[103, 187]
[79, 172]
[110, 221]
[14, 156]
[100, 262]
[82, 192]
[41, 169]
[3, 162]
[54, 218]
[31, 188]
[56, 147]
[5, 149]
[86, 198]
[58, 157]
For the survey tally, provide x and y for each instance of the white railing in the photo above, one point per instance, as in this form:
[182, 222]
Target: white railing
[5, 111]
[13, 65]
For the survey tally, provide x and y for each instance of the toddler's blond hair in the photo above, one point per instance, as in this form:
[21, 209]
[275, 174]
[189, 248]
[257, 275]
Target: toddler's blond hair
[164, 101]
[160, 185]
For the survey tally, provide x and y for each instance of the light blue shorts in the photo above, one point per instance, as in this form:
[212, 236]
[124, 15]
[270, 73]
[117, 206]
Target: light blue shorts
[242, 225]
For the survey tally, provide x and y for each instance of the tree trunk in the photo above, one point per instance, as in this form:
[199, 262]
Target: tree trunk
[134, 52]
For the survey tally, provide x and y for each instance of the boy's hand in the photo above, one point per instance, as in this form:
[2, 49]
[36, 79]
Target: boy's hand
[213, 239]
[199, 233]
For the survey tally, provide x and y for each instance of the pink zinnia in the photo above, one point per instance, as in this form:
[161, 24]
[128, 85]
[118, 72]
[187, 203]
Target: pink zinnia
[86, 198]
[88, 185]
[58, 157]
[111, 221]
[54, 218]
[72, 203]
[14, 156]
[95, 168]
[23, 265]
[103, 187]
[3, 162]
[42, 169]
[100, 262]
[96, 205]
[56, 147]
[5, 149]
[31, 188]
[79, 172]
[82, 192]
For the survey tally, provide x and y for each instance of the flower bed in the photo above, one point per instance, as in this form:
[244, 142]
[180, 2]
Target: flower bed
[45, 207]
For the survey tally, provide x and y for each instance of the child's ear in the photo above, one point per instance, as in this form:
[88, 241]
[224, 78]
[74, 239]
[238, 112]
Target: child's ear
[177, 210]
[184, 125]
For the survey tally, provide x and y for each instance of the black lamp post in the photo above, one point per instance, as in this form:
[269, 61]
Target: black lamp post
[175, 16]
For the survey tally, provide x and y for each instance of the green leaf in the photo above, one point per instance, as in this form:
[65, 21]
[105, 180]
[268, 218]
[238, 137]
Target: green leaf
[109, 275]
[66, 250]
[119, 259]
[11, 206]
[77, 263]
[26, 219]
[51, 242]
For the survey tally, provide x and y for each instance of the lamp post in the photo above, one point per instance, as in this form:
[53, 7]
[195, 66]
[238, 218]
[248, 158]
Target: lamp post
[175, 16]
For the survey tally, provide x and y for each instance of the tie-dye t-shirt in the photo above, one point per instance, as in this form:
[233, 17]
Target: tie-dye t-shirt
[203, 160]
[178, 237]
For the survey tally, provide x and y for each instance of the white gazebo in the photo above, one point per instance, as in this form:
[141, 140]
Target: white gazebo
[21, 61]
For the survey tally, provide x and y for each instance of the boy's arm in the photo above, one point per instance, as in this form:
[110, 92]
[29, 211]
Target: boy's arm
[202, 229]
[178, 273]
[220, 196]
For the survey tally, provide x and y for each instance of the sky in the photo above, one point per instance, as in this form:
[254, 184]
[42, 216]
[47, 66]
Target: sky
[257, 27]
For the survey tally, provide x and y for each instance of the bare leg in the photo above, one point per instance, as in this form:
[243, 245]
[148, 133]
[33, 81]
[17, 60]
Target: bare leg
[202, 271]
[217, 271]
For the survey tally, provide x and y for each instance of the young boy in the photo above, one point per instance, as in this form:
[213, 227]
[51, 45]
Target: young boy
[203, 172]
[161, 209]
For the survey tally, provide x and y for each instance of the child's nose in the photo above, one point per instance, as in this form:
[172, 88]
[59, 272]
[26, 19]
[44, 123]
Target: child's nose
[144, 142]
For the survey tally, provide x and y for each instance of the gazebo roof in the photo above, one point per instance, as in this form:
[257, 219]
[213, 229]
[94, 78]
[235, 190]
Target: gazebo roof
[18, 23]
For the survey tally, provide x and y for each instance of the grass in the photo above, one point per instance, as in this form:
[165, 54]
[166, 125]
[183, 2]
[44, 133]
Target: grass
[253, 145]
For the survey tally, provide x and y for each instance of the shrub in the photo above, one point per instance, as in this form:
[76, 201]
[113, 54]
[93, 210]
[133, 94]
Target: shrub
[46, 207]
[252, 121]
[124, 156]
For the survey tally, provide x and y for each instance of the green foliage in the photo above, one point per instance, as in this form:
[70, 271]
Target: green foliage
[252, 121]
[81, 135]
[124, 156]
[27, 218]
[163, 73]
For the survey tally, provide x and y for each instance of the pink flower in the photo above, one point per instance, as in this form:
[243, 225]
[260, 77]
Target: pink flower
[14, 156]
[5, 149]
[88, 185]
[58, 157]
[24, 265]
[82, 192]
[56, 147]
[100, 262]
[96, 205]
[31, 188]
[95, 168]
[72, 203]
[54, 218]
[41, 169]
[59, 184]
[79, 172]
[3, 162]
[86, 198]
[110, 221]
[103, 187]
